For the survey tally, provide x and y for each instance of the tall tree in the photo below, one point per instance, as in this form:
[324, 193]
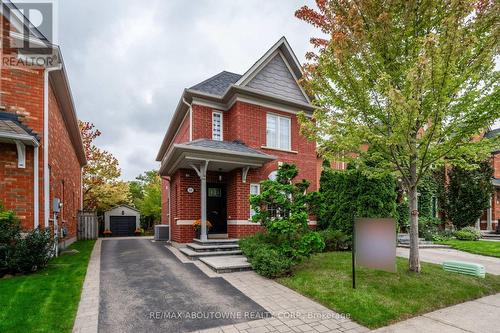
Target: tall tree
[414, 79]
[146, 194]
[102, 188]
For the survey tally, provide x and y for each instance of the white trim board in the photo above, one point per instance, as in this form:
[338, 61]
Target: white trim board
[184, 222]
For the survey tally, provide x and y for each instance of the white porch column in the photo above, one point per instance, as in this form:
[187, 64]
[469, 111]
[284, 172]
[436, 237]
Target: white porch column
[202, 173]
[489, 217]
[478, 224]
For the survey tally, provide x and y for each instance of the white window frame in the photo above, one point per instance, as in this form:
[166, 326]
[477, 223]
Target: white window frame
[278, 123]
[221, 125]
[255, 185]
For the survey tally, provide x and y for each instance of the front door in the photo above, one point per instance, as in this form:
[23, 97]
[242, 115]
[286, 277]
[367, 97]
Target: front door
[216, 208]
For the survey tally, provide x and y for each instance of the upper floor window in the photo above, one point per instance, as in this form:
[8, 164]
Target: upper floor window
[217, 126]
[278, 132]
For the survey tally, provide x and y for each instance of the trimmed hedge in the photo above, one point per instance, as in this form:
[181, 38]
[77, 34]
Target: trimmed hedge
[349, 193]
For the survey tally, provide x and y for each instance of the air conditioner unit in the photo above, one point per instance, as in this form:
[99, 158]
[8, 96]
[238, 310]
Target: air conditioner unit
[162, 232]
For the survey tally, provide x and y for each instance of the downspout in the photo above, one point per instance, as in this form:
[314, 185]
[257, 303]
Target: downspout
[36, 192]
[169, 211]
[190, 118]
[46, 176]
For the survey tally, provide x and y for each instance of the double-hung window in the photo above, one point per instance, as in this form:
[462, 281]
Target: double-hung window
[254, 190]
[278, 132]
[217, 126]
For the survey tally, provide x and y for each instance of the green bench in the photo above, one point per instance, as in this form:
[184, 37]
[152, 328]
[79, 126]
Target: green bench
[463, 267]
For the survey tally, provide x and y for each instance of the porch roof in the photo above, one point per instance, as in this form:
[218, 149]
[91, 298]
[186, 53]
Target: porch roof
[12, 130]
[222, 156]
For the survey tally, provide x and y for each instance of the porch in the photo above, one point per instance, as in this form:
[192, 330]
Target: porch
[209, 180]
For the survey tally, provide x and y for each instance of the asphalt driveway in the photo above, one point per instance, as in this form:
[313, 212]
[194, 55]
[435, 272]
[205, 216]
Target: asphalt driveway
[145, 288]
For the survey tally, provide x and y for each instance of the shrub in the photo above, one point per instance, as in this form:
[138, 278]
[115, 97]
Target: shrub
[335, 240]
[346, 193]
[428, 227]
[287, 239]
[468, 194]
[270, 262]
[22, 254]
[32, 252]
[467, 234]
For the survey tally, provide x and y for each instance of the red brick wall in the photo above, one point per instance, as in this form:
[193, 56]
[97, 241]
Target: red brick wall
[183, 133]
[16, 185]
[21, 93]
[65, 179]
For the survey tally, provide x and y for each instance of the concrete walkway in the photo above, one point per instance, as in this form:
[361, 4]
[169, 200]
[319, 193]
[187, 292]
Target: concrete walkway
[479, 316]
[291, 312]
[438, 256]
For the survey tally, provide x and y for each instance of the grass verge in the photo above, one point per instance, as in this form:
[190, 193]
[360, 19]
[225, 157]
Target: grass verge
[382, 298]
[45, 301]
[485, 248]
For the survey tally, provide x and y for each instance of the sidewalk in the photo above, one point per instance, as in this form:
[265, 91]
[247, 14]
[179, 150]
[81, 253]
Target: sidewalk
[437, 256]
[479, 316]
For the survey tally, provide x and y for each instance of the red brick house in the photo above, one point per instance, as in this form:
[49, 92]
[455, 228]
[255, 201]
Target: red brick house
[41, 150]
[227, 134]
[491, 217]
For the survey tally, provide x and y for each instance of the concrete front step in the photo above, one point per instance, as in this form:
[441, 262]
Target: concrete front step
[193, 255]
[207, 248]
[216, 241]
[227, 264]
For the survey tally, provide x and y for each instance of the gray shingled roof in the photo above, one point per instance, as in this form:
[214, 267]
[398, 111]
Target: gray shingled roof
[492, 133]
[217, 84]
[232, 146]
[10, 124]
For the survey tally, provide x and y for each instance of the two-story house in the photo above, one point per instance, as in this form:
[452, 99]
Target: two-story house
[41, 150]
[227, 134]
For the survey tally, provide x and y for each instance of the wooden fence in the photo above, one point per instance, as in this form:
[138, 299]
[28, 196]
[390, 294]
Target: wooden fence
[87, 225]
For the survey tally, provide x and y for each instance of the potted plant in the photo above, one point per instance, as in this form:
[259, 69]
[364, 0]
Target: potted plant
[138, 232]
[107, 233]
[197, 227]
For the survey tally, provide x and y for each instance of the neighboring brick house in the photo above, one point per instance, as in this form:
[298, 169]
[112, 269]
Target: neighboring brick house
[491, 217]
[227, 134]
[41, 150]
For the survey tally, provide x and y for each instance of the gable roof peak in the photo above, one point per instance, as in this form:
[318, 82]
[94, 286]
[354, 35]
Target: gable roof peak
[284, 47]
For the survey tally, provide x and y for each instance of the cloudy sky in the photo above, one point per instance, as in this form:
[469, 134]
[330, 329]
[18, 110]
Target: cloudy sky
[129, 61]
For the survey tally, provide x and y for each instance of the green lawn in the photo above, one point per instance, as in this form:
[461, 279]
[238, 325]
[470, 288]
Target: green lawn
[45, 301]
[486, 248]
[382, 298]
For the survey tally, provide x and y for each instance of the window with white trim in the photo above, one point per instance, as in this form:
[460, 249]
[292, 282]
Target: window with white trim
[254, 190]
[278, 132]
[217, 126]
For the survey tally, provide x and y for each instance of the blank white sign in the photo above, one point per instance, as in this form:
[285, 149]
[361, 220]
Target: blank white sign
[375, 243]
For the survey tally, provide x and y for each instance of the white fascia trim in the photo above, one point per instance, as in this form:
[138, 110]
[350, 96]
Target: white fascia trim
[27, 139]
[210, 104]
[242, 222]
[259, 102]
[184, 222]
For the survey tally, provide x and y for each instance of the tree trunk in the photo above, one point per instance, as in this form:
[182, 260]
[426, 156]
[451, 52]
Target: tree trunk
[414, 259]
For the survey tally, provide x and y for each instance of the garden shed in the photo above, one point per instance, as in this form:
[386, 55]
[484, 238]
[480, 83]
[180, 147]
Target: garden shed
[122, 220]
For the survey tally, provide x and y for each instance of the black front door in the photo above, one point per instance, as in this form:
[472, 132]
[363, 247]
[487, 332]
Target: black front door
[216, 208]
